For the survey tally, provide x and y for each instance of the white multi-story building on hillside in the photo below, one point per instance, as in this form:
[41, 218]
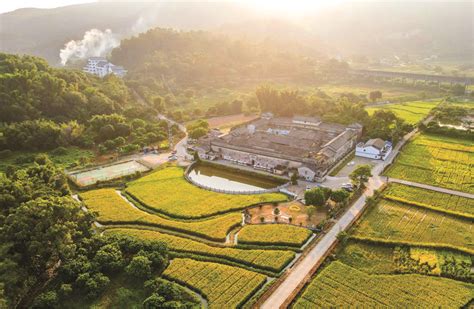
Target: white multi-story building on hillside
[101, 67]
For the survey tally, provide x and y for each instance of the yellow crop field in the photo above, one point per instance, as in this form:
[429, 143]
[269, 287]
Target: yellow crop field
[113, 209]
[339, 285]
[168, 192]
[273, 234]
[436, 160]
[462, 206]
[273, 260]
[411, 112]
[223, 286]
[393, 221]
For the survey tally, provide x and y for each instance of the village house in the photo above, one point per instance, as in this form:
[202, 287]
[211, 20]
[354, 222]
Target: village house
[101, 67]
[283, 145]
[375, 148]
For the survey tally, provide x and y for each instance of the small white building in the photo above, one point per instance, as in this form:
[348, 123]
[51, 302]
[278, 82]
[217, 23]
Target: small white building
[375, 148]
[101, 67]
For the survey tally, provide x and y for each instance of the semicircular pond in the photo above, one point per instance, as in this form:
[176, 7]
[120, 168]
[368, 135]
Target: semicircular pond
[230, 179]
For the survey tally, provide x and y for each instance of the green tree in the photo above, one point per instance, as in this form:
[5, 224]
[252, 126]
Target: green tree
[109, 258]
[375, 95]
[360, 176]
[139, 266]
[294, 178]
[315, 197]
[339, 196]
[197, 133]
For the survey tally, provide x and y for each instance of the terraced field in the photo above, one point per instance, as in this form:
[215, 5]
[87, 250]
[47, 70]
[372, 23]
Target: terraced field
[223, 286]
[273, 234]
[339, 285]
[437, 160]
[411, 112]
[113, 209]
[395, 222]
[166, 191]
[273, 260]
[432, 199]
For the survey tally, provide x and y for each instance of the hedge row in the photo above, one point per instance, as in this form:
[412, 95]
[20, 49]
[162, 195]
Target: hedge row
[435, 246]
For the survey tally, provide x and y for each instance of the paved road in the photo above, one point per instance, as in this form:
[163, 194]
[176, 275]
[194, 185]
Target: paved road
[424, 186]
[298, 274]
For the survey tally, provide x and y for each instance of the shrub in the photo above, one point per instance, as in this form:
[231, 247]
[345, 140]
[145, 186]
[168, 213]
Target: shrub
[140, 267]
[46, 300]
[60, 151]
[5, 153]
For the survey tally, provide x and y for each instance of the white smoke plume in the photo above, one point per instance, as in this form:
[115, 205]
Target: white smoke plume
[95, 43]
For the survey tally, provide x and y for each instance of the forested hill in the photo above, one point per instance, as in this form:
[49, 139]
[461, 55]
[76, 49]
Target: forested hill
[199, 57]
[30, 89]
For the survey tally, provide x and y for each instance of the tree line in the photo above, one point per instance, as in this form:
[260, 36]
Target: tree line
[346, 109]
[50, 253]
[43, 108]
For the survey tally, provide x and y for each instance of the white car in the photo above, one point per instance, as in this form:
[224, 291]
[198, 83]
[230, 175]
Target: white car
[173, 158]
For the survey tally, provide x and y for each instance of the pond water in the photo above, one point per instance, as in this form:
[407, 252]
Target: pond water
[223, 179]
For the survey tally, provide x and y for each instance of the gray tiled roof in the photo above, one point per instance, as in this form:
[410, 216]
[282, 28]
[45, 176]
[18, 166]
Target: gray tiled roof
[376, 142]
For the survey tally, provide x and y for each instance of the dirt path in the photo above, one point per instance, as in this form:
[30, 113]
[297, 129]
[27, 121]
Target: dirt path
[429, 187]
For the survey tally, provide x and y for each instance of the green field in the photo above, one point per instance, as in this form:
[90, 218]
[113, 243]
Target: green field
[168, 192]
[411, 112]
[395, 222]
[273, 234]
[223, 286]
[113, 209]
[437, 160]
[431, 199]
[273, 260]
[70, 158]
[339, 285]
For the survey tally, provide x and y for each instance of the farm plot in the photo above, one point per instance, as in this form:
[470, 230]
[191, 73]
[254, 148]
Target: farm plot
[339, 285]
[411, 112]
[440, 161]
[395, 222]
[273, 235]
[223, 286]
[167, 191]
[113, 209]
[386, 259]
[272, 260]
[431, 199]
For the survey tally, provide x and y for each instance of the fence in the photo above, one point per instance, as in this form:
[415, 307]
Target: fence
[272, 190]
[107, 172]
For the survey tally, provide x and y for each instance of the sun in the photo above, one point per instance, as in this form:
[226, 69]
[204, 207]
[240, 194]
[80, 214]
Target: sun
[288, 7]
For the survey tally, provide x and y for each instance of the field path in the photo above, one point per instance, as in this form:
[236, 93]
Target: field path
[433, 188]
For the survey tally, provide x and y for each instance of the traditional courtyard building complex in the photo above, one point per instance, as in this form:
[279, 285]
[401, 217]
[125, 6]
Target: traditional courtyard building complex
[284, 145]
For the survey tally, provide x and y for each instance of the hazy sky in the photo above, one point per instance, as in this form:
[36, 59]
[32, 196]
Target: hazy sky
[286, 6]
[11, 5]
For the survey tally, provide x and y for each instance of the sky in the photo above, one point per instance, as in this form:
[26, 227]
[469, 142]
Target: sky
[11, 5]
[278, 6]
